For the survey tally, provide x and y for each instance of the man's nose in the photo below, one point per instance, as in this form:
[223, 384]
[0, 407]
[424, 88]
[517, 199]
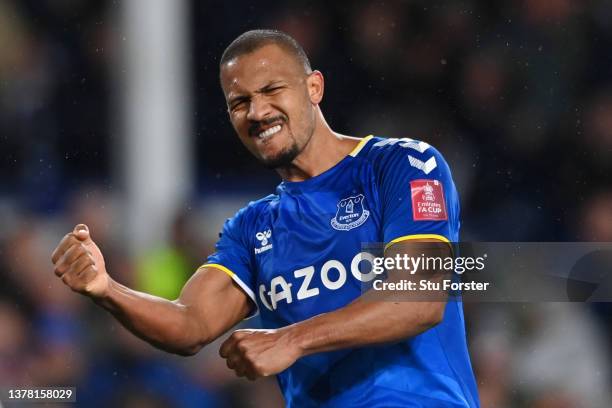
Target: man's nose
[259, 109]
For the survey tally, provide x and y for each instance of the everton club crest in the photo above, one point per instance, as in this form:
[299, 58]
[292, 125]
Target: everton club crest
[351, 213]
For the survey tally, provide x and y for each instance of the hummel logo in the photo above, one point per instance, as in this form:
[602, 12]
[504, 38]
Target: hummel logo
[426, 167]
[264, 237]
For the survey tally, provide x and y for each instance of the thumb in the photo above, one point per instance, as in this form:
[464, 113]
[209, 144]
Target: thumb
[81, 232]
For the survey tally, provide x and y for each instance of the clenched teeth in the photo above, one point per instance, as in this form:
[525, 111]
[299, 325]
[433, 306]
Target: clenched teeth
[270, 132]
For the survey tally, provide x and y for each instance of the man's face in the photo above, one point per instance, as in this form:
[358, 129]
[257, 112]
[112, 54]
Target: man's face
[270, 103]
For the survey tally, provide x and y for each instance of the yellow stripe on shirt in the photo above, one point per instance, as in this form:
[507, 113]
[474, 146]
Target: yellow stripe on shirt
[418, 236]
[223, 268]
[360, 145]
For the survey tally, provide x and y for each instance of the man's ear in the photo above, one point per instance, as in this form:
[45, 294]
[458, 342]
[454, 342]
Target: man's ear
[316, 87]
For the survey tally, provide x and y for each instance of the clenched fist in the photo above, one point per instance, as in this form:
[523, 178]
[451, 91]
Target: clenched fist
[80, 264]
[256, 353]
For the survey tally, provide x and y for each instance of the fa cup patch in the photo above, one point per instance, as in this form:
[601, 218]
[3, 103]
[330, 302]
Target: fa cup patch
[350, 214]
[428, 200]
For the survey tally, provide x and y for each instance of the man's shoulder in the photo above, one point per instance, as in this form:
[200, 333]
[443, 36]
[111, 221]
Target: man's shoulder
[244, 222]
[255, 208]
[379, 145]
[385, 152]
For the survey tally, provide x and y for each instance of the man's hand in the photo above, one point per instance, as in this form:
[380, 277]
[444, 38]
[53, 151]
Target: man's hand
[259, 353]
[80, 264]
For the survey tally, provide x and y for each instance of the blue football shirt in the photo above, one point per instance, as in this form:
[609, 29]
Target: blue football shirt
[298, 253]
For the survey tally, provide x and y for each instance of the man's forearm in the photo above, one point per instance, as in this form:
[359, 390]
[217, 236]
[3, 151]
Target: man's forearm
[257, 353]
[364, 323]
[162, 323]
[373, 318]
[377, 317]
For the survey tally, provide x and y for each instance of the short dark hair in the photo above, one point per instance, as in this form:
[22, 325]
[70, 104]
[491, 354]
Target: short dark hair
[253, 40]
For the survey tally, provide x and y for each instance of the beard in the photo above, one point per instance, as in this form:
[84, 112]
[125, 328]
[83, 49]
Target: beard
[282, 159]
[286, 156]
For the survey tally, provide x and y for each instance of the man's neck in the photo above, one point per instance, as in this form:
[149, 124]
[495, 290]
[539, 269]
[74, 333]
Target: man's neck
[325, 149]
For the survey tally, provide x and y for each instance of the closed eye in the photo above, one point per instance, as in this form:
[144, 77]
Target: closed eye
[236, 103]
[272, 90]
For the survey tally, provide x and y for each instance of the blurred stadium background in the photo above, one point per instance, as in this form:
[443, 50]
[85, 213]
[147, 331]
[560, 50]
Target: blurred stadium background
[111, 114]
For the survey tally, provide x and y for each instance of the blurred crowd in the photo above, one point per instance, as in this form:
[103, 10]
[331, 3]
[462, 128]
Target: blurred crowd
[516, 95]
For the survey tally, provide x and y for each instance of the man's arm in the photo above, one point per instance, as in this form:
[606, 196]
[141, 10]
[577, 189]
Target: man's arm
[209, 304]
[254, 353]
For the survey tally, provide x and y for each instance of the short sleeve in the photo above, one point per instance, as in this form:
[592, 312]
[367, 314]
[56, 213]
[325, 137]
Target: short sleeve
[418, 195]
[232, 257]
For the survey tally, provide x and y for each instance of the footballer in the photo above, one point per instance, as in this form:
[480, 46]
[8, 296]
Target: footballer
[296, 258]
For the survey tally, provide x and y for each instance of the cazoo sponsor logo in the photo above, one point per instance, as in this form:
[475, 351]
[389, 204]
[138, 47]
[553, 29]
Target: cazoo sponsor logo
[281, 290]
